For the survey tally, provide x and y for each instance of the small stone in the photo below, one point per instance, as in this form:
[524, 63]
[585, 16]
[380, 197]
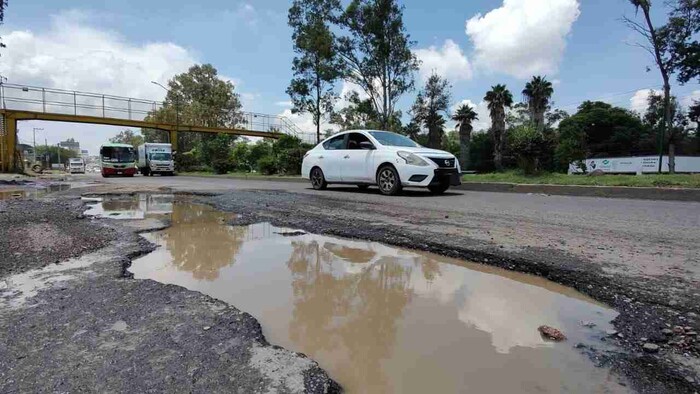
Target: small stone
[650, 348]
[688, 328]
[667, 332]
[673, 303]
[588, 324]
[579, 345]
[610, 333]
[692, 315]
[691, 333]
[678, 330]
[620, 335]
[643, 339]
[207, 328]
[551, 333]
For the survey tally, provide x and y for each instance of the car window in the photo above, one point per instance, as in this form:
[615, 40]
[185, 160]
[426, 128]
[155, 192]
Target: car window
[355, 139]
[335, 143]
[392, 139]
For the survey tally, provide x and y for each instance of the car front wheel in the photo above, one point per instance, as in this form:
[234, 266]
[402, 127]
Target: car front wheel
[318, 180]
[388, 181]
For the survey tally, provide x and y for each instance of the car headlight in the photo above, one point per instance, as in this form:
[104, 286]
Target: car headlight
[412, 159]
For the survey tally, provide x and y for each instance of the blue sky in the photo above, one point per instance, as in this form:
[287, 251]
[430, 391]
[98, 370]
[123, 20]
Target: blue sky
[119, 46]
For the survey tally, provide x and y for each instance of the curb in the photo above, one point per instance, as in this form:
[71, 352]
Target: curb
[637, 193]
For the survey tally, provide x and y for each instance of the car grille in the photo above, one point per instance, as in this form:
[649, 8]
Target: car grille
[443, 163]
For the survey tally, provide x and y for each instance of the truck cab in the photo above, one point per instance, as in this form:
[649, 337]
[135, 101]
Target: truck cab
[154, 158]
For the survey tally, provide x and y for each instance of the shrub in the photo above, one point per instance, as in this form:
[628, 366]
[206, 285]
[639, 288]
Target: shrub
[526, 143]
[267, 165]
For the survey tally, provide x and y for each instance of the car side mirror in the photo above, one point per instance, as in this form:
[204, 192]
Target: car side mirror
[366, 145]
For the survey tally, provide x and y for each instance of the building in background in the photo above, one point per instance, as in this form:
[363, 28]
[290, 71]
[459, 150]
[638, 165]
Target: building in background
[84, 154]
[71, 144]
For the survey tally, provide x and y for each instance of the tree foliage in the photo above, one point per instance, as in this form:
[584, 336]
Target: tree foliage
[128, 137]
[376, 54]
[464, 116]
[316, 66]
[198, 97]
[3, 5]
[681, 39]
[598, 129]
[538, 92]
[527, 142]
[430, 105]
[498, 98]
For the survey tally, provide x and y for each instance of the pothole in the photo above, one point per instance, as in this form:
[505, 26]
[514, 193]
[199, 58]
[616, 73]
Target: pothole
[379, 318]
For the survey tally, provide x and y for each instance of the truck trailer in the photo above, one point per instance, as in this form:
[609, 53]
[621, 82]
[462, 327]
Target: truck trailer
[155, 159]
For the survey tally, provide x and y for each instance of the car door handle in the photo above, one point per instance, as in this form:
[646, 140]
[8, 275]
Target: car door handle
[346, 156]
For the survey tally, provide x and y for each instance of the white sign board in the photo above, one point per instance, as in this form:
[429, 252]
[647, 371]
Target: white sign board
[634, 165]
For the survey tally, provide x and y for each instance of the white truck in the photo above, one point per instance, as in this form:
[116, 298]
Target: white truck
[76, 165]
[155, 159]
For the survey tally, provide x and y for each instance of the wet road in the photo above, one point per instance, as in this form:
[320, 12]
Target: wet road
[632, 237]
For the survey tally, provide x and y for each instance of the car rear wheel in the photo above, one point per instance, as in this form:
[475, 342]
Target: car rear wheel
[318, 180]
[388, 180]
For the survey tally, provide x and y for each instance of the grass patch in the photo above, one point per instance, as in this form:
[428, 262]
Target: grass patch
[647, 180]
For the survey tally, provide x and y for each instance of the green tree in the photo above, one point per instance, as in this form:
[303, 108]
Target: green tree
[498, 98]
[429, 107]
[527, 143]
[54, 152]
[464, 116]
[358, 114]
[538, 92]
[128, 137]
[598, 129]
[240, 156]
[3, 5]
[259, 150]
[681, 36]
[198, 97]
[376, 54]
[316, 66]
[216, 152]
[658, 47]
[412, 129]
[677, 130]
[694, 113]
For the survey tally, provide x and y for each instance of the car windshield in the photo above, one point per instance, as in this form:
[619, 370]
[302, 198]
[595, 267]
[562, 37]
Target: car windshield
[392, 139]
[162, 156]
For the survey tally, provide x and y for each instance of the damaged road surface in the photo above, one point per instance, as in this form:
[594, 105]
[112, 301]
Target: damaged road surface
[342, 276]
[82, 326]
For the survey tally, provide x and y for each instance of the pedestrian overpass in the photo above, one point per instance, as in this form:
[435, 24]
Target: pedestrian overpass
[21, 102]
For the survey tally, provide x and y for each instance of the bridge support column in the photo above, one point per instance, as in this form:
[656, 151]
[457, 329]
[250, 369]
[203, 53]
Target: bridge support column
[173, 139]
[8, 145]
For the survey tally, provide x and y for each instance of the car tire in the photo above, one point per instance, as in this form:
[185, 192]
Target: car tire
[318, 180]
[439, 188]
[145, 172]
[388, 180]
[363, 187]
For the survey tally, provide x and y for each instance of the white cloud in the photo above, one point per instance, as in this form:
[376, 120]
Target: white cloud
[688, 100]
[448, 61]
[640, 100]
[284, 104]
[522, 37]
[481, 109]
[72, 55]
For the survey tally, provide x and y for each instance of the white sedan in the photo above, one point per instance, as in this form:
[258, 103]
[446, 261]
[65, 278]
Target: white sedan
[388, 160]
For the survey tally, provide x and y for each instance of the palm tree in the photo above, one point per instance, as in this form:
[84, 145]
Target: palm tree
[464, 116]
[537, 92]
[499, 98]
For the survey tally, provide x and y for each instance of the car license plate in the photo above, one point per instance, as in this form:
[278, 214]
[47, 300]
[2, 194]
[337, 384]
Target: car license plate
[119, 172]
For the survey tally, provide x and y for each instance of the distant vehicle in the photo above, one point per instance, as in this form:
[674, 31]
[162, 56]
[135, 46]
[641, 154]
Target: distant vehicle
[117, 159]
[156, 159]
[388, 160]
[76, 165]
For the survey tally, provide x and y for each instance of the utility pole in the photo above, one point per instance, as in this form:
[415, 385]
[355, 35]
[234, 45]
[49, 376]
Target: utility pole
[59, 153]
[177, 109]
[34, 130]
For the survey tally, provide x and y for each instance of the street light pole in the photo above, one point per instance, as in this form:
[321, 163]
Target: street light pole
[177, 109]
[34, 130]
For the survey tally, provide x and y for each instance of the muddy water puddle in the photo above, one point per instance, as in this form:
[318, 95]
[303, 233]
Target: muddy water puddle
[381, 319]
[31, 191]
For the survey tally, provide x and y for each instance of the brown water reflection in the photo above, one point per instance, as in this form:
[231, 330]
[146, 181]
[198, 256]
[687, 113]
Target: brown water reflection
[381, 319]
